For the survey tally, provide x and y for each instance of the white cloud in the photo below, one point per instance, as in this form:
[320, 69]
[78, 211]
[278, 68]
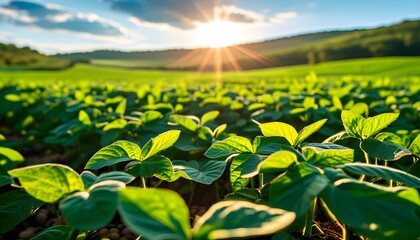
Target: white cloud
[282, 17]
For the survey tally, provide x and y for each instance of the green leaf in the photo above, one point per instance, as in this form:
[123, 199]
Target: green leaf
[219, 130]
[353, 123]
[209, 116]
[205, 172]
[94, 209]
[188, 122]
[155, 213]
[116, 124]
[328, 158]
[279, 129]
[15, 206]
[5, 180]
[88, 178]
[150, 116]
[243, 167]
[249, 195]
[84, 118]
[373, 211]
[337, 103]
[415, 146]
[269, 145]
[121, 107]
[117, 152]
[205, 133]
[228, 146]
[48, 182]
[238, 219]
[337, 137]
[277, 162]
[383, 172]
[115, 176]
[308, 131]
[375, 124]
[158, 166]
[9, 158]
[383, 150]
[389, 137]
[297, 188]
[159, 143]
[62, 232]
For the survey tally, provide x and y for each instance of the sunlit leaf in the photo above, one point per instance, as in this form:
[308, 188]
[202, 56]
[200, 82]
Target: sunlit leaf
[234, 219]
[277, 162]
[48, 182]
[188, 122]
[328, 158]
[337, 102]
[84, 118]
[121, 107]
[209, 116]
[375, 124]
[228, 146]
[9, 158]
[116, 124]
[117, 152]
[279, 129]
[155, 213]
[159, 143]
[415, 146]
[308, 131]
[353, 123]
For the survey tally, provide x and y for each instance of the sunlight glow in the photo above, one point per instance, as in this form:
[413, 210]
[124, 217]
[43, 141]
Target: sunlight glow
[219, 33]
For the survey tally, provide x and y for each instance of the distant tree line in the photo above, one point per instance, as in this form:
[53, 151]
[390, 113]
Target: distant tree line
[398, 40]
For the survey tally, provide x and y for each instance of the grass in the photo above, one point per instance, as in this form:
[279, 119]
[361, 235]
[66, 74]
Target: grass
[384, 67]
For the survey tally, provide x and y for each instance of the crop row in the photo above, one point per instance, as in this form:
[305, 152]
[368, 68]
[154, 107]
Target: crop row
[125, 147]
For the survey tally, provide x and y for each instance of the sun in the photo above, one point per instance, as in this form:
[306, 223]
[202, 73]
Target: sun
[218, 33]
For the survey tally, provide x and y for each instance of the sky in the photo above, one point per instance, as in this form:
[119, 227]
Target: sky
[62, 26]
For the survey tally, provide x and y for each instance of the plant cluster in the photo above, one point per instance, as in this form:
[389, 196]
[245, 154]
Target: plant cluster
[141, 155]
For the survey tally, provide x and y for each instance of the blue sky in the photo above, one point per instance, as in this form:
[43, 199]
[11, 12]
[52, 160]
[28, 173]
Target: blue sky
[53, 26]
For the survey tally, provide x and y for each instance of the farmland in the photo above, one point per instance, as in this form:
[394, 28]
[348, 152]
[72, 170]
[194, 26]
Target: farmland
[310, 151]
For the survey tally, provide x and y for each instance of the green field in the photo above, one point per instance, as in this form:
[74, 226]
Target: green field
[373, 67]
[326, 151]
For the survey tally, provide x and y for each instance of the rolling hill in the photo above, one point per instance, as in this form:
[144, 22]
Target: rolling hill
[401, 39]
[15, 58]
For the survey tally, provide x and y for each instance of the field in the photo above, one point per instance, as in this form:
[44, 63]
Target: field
[325, 151]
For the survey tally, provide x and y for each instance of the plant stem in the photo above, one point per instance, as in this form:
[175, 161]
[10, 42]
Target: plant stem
[252, 183]
[192, 193]
[331, 217]
[366, 157]
[261, 180]
[158, 183]
[362, 177]
[143, 182]
[346, 233]
[309, 219]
